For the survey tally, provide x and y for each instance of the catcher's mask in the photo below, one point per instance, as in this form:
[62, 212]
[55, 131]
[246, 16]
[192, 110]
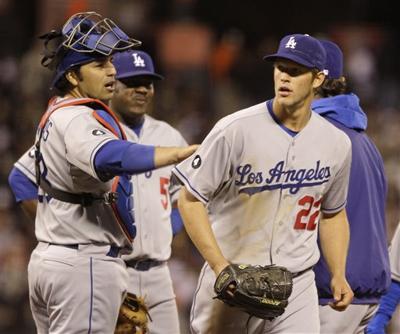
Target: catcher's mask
[84, 37]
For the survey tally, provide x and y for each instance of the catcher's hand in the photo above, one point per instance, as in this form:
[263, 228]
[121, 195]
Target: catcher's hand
[133, 316]
[261, 291]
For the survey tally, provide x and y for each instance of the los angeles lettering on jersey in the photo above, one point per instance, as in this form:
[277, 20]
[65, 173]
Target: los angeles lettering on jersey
[294, 179]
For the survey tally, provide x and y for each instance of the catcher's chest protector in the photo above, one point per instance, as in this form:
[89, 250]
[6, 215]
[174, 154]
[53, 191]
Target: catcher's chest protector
[120, 196]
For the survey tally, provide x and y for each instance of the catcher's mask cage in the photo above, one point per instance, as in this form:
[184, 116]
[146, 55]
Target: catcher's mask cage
[89, 32]
[84, 37]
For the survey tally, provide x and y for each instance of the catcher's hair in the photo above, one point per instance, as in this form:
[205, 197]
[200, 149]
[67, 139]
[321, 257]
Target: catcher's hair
[52, 53]
[63, 86]
[332, 87]
[53, 50]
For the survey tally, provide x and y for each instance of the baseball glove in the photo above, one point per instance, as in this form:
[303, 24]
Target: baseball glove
[261, 291]
[133, 316]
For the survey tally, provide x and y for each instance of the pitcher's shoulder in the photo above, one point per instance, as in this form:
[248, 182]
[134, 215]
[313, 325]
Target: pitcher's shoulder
[330, 131]
[243, 116]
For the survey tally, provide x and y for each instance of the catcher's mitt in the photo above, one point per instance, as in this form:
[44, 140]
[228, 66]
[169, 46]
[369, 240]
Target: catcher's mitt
[133, 316]
[261, 291]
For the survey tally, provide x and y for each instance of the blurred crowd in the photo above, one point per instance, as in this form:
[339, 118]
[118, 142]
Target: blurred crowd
[213, 67]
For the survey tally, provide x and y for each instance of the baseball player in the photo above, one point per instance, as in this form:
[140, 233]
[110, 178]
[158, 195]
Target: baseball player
[366, 201]
[155, 200]
[263, 177]
[82, 162]
[391, 300]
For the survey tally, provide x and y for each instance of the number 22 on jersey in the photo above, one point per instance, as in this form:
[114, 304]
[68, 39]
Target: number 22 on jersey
[306, 217]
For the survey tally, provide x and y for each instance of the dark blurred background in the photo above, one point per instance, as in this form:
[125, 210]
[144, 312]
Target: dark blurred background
[210, 52]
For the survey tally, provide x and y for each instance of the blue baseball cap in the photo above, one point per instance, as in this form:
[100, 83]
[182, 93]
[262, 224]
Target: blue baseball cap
[302, 49]
[334, 59]
[73, 58]
[134, 63]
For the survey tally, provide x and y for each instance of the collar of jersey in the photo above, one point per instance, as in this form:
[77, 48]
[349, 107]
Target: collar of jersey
[277, 121]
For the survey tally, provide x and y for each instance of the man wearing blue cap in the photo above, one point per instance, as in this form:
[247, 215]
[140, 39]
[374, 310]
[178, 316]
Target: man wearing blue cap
[154, 199]
[267, 178]
[78, 175]
[366, 201]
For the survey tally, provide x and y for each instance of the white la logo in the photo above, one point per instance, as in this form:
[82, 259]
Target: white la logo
[291, 43]
[138, 61]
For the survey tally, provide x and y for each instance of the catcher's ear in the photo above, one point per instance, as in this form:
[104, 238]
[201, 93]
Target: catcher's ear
[72, 78]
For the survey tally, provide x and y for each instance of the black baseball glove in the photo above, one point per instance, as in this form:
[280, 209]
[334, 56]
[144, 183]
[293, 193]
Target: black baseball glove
[261, 291]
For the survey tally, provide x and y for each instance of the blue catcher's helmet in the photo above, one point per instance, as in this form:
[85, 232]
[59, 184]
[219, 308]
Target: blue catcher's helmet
[84, 37]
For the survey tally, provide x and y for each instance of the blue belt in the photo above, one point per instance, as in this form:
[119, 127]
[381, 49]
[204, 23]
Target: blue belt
[113, 252]
[143, 265]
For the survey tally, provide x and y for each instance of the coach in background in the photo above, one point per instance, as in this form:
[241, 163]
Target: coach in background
[154, 199]
[370, 278]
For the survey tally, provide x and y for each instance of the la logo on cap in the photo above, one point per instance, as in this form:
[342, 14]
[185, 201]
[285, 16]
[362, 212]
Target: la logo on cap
[291, 43]
[137, 60]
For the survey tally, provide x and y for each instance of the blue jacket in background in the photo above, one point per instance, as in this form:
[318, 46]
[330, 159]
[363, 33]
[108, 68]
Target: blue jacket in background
[367, 269]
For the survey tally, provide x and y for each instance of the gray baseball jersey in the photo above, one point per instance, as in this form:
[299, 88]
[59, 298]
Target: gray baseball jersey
[153, 194]
[394, 255]
[76, 244]
[26, 164]
[71, 138]
[153, 197]
[152, 212]
[264, 188]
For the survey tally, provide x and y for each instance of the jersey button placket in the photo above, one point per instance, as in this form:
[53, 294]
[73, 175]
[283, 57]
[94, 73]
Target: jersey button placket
[292, 150]
[277, 226]
[289, 156]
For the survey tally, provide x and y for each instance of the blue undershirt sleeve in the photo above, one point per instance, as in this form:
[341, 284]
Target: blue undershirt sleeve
[22, 187]
[176, 221]
[118, 157]
[387, 306]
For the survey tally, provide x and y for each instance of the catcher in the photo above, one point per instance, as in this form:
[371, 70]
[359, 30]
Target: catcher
[133, 316]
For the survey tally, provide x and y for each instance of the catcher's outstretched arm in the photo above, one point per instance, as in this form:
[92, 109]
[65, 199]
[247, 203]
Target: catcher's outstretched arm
[117, 157]
[198, 227]
[164, 156]
[334, 236]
